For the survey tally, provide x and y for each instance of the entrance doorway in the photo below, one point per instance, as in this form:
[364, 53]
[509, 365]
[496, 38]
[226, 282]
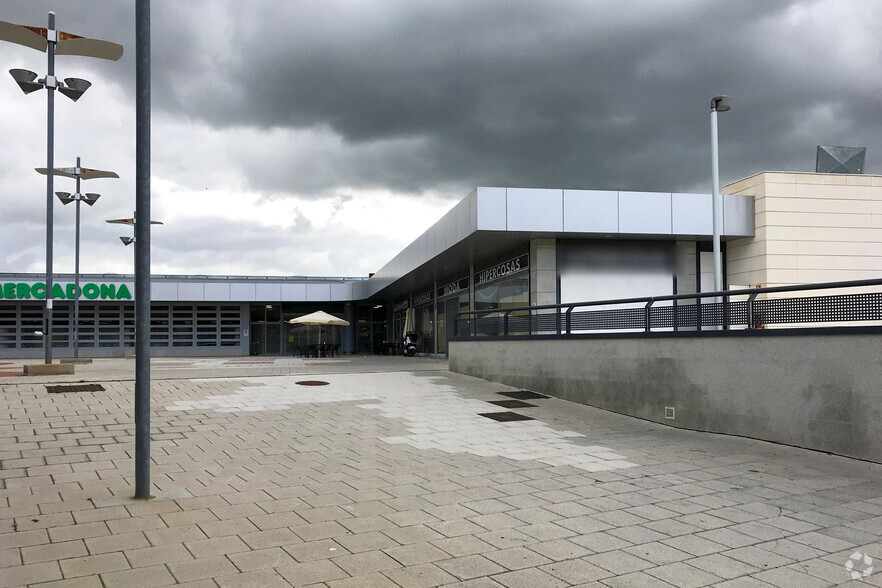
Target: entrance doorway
[266, 339]
[266, 329]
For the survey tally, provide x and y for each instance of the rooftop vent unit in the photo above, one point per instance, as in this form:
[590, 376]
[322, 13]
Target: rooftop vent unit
[840, 160]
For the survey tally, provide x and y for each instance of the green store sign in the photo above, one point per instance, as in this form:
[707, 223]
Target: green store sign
[90, 291]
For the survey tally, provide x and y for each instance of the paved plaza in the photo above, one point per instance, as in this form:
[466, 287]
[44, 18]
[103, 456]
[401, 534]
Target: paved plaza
[389, 471]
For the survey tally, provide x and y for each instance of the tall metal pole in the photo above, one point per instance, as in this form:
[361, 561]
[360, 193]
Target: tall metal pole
[76, 328]
[142, 250]
[50, 164]
[717, 203]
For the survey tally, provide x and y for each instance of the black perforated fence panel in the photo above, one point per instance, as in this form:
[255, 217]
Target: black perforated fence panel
[814, 309]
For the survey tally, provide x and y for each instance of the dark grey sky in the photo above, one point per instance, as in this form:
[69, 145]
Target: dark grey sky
[309, 108]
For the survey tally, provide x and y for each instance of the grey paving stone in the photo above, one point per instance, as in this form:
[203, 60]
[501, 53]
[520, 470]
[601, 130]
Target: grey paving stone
[470, 566]
[722, 566]
[146, 577]
[360, 564]
[420, 576]
[255, 579]
[463, 545]
[366, 542]
[164, 554]
[261, 559]
[416, 554]
[600, 542]
[618, 562]
[683, 575]
[312, 572]
[657, 553]
[529, 578]
[634, 580]
[53, 552]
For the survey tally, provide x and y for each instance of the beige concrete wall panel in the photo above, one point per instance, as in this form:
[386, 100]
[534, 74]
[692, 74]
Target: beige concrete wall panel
[749, 265]
[779, 190]
[864, 193]
[820, 179]
[779, 178]
[823, 206]
[783, 248]
[840, 248]
[862, 180]
[841, 262]
[745, 185]
[782, 261]
[834, 275]
[781, 233]
[750, 250]
[782, 276]
[811, 219]
[760, 220]
[829, 234]
[833, 192]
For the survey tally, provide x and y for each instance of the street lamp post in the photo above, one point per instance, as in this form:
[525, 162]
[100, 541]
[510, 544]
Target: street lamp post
[66, 198]
[53, 41]
[718, 104]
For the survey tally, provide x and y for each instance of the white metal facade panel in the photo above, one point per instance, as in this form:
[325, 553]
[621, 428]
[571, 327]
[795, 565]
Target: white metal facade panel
[738, 211]
[217, 292]
[194, 292]
[491, 209]
[590, 211]
[163, 291]
[341, 291]
[692, 214]
[268, 292]
[645, 213]
[318, 292]
[293, 292]
[533, 209]
[242, 291]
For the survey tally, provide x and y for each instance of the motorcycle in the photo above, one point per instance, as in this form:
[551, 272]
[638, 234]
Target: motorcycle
[410, 347]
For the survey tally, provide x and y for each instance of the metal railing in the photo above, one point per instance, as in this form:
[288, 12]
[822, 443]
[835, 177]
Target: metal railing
[746, 309]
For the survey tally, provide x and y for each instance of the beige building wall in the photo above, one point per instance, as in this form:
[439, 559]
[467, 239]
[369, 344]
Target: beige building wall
[810, 228]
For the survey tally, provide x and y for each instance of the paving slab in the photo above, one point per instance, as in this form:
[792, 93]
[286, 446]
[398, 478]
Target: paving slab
[389, 476]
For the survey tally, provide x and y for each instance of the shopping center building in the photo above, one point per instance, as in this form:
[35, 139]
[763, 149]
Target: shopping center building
[497, 248]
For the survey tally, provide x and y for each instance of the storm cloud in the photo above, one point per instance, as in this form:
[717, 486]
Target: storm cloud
[417, 102]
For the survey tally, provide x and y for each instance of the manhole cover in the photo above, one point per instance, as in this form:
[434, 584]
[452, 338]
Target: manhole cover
[506, 417]
[311, 383]
[511, 403]
[75, 388]
[524, 395]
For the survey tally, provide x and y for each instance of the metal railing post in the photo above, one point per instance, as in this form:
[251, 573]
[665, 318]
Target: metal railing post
[569, 321]
[647, 316]
[750, 300]
[505, 323]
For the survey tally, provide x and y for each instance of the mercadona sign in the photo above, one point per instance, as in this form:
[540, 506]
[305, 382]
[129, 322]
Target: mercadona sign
[89, 291]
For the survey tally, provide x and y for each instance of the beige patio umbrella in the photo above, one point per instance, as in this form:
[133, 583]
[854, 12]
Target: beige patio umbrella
[319, 318]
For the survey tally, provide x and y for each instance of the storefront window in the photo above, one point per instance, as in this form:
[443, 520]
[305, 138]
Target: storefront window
[504, 285]
[424, 319]
[510, 293]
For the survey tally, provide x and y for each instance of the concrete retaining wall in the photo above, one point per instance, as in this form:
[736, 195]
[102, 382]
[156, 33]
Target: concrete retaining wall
[821, 392]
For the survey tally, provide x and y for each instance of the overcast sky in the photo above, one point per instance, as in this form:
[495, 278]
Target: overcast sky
[319, 138]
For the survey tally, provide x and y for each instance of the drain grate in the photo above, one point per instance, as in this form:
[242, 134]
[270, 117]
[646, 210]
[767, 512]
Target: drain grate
[311, 383]
[506, 417]
[74, 388]
[524, 395]
[512, 404]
